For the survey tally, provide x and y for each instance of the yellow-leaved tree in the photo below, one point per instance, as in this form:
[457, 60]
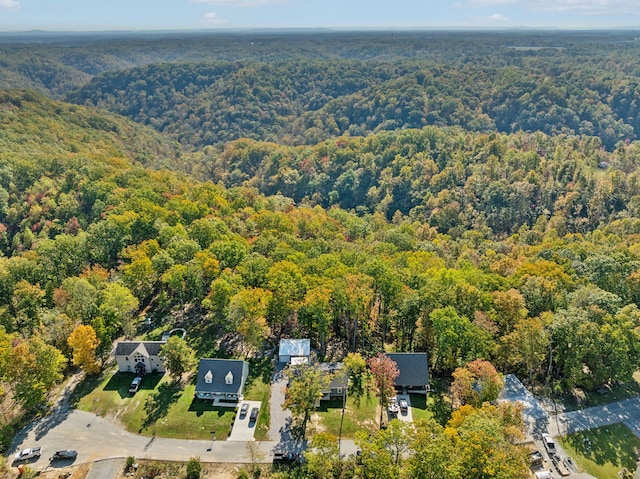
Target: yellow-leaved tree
[84, 342]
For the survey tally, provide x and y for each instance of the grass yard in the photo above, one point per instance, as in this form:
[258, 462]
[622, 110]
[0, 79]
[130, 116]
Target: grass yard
[356, 418]
[419, 408]
[160, 407]
[612, 448]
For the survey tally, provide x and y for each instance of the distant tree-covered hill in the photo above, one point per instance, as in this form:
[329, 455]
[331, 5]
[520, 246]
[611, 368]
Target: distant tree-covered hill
[296, 102]
[45, 130]
[303, 87]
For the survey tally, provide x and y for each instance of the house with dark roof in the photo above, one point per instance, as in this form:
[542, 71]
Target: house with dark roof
[337, 388]
[414, 371]
[221, 379]
[294, 351]
[140, 357]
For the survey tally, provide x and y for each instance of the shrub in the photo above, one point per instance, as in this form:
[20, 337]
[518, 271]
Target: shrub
[194, 468]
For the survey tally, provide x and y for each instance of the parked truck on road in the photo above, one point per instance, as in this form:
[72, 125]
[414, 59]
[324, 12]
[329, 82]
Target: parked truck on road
[28, 453]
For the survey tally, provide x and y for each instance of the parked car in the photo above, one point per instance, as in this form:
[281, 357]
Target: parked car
[536, 458]
[28, 453]
[393, 405]
[64, 454]
[286, 457]
[254, 414]
[549, 444]
[135, 385]
[545, 475]
[244, 409]
[404, 405]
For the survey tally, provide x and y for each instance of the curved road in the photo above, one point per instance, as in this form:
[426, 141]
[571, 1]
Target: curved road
[96, 438]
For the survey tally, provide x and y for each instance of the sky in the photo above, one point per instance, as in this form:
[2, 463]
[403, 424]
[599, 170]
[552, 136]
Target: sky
[94, 15]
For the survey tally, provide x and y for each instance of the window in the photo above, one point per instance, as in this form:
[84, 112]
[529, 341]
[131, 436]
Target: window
[138, 358]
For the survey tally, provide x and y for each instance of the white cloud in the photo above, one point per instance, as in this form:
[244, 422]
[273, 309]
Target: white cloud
[489, 3]
[212, 19]
[497, 17]
[241, 3]
[9, 5]
[586, 7]
[590, 7]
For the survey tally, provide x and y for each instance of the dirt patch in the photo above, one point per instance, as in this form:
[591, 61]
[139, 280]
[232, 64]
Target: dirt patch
[314, 425]
[209, 471]
[77, 472]
[171, 470]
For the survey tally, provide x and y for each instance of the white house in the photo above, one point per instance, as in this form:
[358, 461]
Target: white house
[294, 351]
[139, 356]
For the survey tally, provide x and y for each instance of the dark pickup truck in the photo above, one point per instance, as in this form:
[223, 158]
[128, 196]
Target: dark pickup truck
[286, 457]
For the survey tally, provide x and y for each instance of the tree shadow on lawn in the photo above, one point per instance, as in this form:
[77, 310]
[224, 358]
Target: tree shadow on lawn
[121, 381]
[84, 388]
[608, 444]
[158, 403]
[260, 368]
[200, 406]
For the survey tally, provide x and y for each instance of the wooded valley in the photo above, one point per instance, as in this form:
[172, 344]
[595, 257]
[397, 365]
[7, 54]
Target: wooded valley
[472, 195]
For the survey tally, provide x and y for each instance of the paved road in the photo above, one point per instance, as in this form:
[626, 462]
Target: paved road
[96, 438]
[539, 421]
[626, 412]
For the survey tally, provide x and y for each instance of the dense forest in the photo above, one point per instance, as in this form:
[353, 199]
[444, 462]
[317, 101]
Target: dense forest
[400, 196]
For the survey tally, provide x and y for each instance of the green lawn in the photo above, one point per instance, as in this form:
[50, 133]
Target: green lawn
[160, 407]
[356, 418]
[612, 448]
[258, 388]
[419, 409]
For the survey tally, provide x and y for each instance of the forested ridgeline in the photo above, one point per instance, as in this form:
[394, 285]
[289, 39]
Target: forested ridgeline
[53, 63]
[91, 239]
[569, 89]
[303, 87]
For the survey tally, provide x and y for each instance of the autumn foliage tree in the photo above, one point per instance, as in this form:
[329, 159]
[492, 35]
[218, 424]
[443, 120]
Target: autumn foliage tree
[84, 343]
[476, 383]
[384, 371]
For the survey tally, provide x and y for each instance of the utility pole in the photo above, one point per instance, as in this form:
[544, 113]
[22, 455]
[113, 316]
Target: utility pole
[344, 405]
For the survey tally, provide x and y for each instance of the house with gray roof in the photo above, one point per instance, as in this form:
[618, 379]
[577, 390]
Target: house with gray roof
[221, 379]
[294, 351]
[414, 371]
[337, 387]
[140, 357]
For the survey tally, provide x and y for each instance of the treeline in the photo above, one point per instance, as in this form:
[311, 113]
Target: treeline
[301, 88]
[91, 239]
[306, 101]
[54, 63]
